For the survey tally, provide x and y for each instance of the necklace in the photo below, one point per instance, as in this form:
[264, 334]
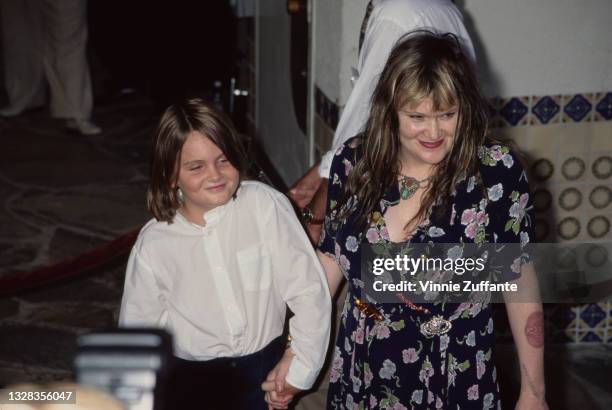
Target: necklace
[409, 186]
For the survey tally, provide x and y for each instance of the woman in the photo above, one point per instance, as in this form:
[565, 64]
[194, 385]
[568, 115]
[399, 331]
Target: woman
[423, 172]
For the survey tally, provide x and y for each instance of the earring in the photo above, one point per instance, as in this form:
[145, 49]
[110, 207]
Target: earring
[179, 195]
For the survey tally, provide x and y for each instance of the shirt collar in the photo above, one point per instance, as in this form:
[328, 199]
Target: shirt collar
[213, 216]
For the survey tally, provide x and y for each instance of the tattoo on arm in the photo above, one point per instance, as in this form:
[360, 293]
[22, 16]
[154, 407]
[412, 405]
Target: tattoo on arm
[534, 329]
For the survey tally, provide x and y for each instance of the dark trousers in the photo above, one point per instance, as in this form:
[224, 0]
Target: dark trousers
[224, 383]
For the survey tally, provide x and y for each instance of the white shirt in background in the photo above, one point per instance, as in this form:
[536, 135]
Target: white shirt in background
[389, 21]
[222, 290]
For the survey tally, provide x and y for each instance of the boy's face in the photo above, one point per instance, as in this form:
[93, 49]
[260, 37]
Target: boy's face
[206, 177]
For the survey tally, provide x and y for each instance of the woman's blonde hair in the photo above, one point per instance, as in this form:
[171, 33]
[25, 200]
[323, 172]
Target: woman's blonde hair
[421, 65]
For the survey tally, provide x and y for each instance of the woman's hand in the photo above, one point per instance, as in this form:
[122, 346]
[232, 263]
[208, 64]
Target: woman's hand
[279, 393]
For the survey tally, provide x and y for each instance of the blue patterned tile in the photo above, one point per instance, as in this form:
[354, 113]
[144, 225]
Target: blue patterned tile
[592, 315]
[603, 109]
[546, 109]
[514, 111]
[333, 116]
[326, 108]
[318, 101]
[562, 317]
[591, 337]
[577, 108]
[572, 335]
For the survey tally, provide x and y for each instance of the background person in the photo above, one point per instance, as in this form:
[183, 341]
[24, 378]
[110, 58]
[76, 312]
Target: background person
[44, 43]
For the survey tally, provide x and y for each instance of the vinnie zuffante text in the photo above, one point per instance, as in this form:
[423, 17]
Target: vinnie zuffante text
[408, 265]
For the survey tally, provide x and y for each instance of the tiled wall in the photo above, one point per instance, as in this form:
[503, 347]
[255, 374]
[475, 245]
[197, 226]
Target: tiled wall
[567, 143]
[327, 115]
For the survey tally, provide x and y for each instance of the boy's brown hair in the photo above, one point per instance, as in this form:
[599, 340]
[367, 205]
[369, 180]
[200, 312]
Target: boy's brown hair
[177, 122]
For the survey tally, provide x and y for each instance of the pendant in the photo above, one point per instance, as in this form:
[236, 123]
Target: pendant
[435, 326]
[408, 187]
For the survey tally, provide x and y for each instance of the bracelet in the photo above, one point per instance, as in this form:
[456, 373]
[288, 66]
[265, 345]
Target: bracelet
[289, 340]
[309, 218]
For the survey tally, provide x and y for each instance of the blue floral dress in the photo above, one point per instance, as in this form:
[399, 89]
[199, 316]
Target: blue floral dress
[389, 363]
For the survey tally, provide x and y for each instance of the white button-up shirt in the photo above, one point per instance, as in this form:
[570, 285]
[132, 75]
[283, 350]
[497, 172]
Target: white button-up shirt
[389, 21]
[222, 289]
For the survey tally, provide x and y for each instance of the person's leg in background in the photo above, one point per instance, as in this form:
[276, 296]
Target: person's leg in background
[22, 44]
[65, 64]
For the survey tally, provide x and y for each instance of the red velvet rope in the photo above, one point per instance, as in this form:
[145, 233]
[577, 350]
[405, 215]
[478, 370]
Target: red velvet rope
[71, 267]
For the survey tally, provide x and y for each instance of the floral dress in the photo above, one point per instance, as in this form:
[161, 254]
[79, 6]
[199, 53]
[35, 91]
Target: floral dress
[389, 363]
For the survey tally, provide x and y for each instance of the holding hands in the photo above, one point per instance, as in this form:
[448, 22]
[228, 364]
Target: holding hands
[279, 393]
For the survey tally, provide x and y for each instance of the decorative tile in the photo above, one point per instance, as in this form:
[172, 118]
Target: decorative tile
[592, 315]
[515, 111]
[562, 317]
[334, 117]
[323, 134]
[546, 109]
[550, 109]
[573, 168]
[318, 101]
[602, 167]
[603, 107]
[600, 197]
[598, 227]
[326, 108]
[569, 228]
[542, 229]
[573, 336]
[542, 169]
[595, 336]
[577, 108]
[603, 305]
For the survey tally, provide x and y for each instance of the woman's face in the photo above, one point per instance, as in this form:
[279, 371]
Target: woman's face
[426, 136]
[206, 177]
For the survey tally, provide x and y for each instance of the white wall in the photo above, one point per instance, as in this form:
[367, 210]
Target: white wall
[277, 127]
[542, 47]
[336, 40]
[525, 47]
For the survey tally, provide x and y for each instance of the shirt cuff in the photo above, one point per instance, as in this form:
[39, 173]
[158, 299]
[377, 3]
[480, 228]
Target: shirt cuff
[325, 165]
[300, 375]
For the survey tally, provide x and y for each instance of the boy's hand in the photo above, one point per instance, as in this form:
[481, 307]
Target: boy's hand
[279, 393]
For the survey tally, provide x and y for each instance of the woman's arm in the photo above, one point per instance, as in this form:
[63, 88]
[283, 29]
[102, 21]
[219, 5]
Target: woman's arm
[527, 324]
[332, 272]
